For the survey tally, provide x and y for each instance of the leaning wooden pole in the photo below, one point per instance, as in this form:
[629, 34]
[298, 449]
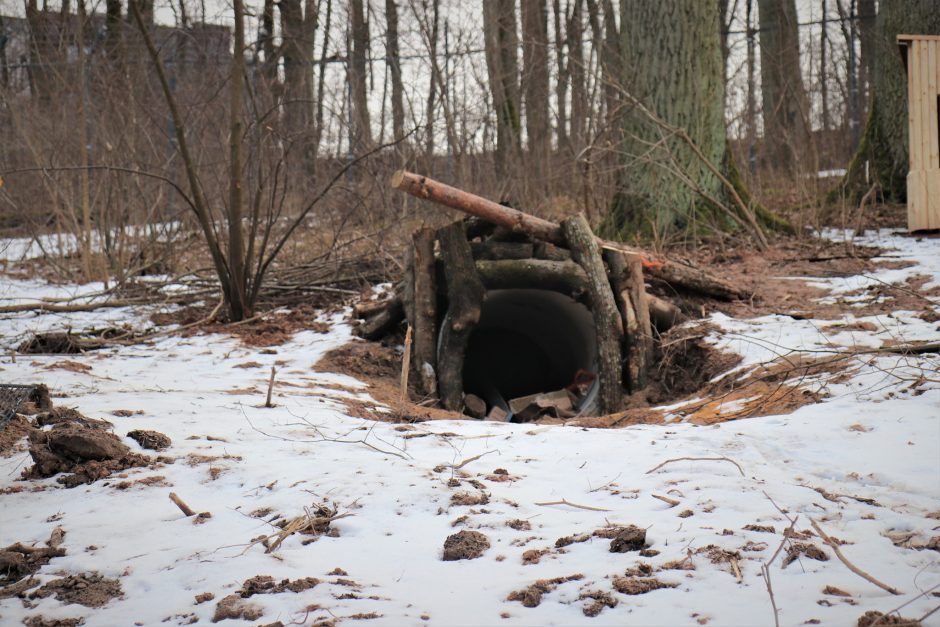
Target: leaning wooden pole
[670, 271]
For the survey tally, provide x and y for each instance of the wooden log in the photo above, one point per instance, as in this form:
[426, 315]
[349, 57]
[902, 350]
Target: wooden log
[607, 321]
[565, 277]
[681, 275]
[429, 189]
[642, 341]
[663, 314]
[617, 262]
[464, 300]
[382, 323]
[368, 308]
[493, 249]
[425, 311]
[544, 250]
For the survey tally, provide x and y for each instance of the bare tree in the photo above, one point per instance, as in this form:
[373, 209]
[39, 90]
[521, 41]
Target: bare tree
[394, 66]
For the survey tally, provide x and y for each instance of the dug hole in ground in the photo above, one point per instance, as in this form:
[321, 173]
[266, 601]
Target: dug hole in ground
[332, 508]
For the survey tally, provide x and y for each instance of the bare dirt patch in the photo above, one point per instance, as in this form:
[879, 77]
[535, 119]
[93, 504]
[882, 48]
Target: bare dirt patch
[88, 589]
[18, 561]
[265, 584]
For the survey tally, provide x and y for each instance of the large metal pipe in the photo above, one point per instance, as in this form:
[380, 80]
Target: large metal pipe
[529, 341]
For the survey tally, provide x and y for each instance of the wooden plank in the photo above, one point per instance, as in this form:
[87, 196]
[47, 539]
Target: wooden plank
[932, 163]
[926, 111]
[918, 37]
[916, 105]
[607, 322]
[932, 187]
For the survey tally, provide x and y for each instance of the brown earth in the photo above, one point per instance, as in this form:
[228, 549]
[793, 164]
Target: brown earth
[234, 607]
[12, 435]
[153, 440]
[19, 560]
[465, 545]
[88, 589]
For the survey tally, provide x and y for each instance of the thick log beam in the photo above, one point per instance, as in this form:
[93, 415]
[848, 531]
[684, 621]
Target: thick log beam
[677, 274]
[464, 300]
[607, 322]
[429, 189]
[424, 355]
[565, 277]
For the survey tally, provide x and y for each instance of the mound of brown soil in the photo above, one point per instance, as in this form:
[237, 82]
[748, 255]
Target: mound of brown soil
[87, 452]
[153, 440]
[88, 589]
[465, 545]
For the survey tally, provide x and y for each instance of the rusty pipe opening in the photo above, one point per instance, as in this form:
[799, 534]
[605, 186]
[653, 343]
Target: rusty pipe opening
[529, 341]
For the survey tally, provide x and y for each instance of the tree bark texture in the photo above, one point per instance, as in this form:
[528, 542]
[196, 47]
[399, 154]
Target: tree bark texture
[671, 63]
[464, 301]
[394, 66]
[239, 306]
[358, 78]
[535, 81]
[607, 321]
[786, 108]
[297, 34]
[501, 44]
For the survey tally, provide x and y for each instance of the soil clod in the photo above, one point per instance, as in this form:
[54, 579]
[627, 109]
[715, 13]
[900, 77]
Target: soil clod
[88, 589]
[153, 440]
[234, 607]
[465, 545]
[630, 538]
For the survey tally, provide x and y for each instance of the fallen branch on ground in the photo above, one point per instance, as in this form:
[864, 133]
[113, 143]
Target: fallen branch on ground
[570, 504]
[698, 459]
[855, 569]
[180, 503]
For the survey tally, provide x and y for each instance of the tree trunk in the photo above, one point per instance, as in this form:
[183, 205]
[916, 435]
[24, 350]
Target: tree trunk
[576, 73]
[297, 34]
[884, 144]
[361, 123]
[561, 85]
[239, 306]
[786, 132]
[535, 61]
[672, 63]
[321, 80]
[501, 44]
[866, 66]
[431, 31]
[394, 66]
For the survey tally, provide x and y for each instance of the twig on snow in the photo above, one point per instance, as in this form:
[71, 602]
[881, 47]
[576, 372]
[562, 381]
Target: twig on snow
[180, 503]
[666, 499]
[855, 569]
[698, 459]
[570, 504]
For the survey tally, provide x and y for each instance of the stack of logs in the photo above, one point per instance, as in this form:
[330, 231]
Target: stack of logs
[448, 271]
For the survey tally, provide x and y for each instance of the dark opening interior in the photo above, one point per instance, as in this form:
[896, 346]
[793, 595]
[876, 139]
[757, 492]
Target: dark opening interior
[527, 342]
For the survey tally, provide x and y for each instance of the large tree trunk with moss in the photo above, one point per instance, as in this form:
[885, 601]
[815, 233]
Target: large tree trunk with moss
[884, 145]
[786, 132]
[672, 64]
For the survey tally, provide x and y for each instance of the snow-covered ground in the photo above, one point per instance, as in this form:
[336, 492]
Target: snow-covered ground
[864, 464]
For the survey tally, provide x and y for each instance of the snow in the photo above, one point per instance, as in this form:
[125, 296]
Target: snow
[875, 436]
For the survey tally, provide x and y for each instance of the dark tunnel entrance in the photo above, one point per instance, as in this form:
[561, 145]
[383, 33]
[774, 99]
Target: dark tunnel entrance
[530, 341]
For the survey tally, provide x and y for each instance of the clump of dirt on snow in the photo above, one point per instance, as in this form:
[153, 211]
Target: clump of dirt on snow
[629, 538]
[80, 446]
[88, 589]
[42, 621]
[465, 545]
[19, 560]
[874, 617]
[153, 440]
[234, 607]
[532, 595]
[640, 585]
[265, 584]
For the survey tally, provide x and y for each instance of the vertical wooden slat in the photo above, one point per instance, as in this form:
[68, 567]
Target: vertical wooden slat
[932, 165]
[914, 105]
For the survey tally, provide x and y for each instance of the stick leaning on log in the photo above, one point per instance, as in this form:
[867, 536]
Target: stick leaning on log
[667, 270]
